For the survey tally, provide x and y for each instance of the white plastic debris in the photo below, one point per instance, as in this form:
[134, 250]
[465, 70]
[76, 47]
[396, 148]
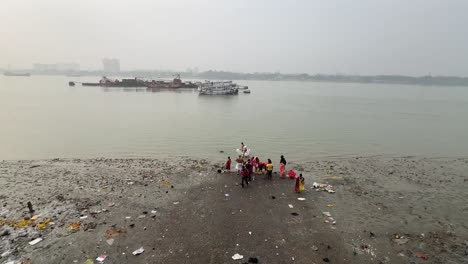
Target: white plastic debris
[101, 258]
[326, 214]
[250, 233]
[290, 206]
[128, 217]
[110, 241]
[226, 194]
[176, 202]
[138, 251]
[83, 217]
[237, 256]
[153, 211]
[301, 199]
[35, 241]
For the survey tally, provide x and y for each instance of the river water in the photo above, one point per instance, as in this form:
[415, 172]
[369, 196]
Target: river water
[42, 117]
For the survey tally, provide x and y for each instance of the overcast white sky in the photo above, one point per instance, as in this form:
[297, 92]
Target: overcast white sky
[412, 37]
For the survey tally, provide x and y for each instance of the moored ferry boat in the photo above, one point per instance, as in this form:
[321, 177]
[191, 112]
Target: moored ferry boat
[218, 88]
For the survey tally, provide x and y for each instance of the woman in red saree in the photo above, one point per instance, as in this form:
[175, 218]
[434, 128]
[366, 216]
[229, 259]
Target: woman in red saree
[282, 167]
[299, 187]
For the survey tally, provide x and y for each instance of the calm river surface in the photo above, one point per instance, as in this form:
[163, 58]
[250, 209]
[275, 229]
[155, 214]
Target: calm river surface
[42, 117]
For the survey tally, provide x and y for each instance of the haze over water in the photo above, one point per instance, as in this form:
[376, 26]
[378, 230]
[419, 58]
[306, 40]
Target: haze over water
[42, 117]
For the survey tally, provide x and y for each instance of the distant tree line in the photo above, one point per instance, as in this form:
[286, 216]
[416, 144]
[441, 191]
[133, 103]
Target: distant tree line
[268, 76]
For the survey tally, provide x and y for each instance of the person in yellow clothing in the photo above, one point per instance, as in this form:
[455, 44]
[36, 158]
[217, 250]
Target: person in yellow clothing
[269, 168]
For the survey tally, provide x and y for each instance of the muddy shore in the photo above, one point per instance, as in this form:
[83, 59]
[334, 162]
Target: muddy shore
[383, 210]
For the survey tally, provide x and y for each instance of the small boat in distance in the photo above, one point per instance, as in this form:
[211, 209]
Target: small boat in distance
[8, 73]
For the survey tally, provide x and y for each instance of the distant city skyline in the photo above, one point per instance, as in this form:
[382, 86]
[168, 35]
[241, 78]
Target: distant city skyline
[365, 37]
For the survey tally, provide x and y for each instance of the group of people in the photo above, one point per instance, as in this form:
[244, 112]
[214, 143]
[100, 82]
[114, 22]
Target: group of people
[246, 166]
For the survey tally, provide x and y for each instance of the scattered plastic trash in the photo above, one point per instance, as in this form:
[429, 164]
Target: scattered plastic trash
[43, 224]
[176, 203]
[153, 211]
[399, 239]
[226, 194]
[330, 205]
[250, 233]
[323, 187]
[35, 241]
[138, 251]
[83, 217]
[110, 241]
[326, 214]
[101, 258]
[89, 261]
[34, 217]
[237, 256]
[74, 226]
[128, 217]
[301, 199]
[314, 248]
[422, 256]
[164, 181]
[290, 206]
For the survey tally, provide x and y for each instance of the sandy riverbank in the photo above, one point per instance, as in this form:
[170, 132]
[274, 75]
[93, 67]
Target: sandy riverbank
[183, 211]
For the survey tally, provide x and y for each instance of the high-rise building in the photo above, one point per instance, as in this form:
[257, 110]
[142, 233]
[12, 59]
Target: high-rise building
[111, 65]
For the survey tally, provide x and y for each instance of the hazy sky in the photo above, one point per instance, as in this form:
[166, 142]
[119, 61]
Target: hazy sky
[413, 37]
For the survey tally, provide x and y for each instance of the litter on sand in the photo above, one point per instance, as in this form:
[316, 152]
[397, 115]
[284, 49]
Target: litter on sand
[326, 214]
[301, 199]
[83, 217]
[110, 241]
[88, 261]
[290, 206]
[323, 187]
[35, 241]
[101, 258]
[330, 205]
[237, 256]
[226, 194]
[153, 211]
[250, 233]
[176, 203]
[138, 251]
[422, 256]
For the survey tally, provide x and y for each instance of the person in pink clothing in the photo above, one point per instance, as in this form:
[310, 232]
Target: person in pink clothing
[282, 167]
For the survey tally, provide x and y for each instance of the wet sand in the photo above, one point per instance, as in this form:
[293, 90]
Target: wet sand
[387, 210]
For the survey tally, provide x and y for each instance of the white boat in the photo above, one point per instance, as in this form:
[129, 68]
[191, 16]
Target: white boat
[218, 88]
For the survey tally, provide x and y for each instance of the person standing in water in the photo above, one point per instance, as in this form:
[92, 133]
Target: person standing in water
[282, 167]
[269, 168]
[228, 164]
[240, 162]
[299, 187]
